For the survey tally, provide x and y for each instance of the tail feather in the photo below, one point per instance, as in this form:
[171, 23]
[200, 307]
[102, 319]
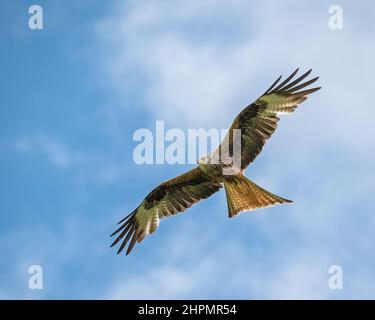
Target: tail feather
[243, 195]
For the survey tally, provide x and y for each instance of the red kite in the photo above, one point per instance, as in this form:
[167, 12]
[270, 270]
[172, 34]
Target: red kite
[256, 123]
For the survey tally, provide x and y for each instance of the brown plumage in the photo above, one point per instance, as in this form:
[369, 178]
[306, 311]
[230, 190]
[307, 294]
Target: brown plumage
[256, 123]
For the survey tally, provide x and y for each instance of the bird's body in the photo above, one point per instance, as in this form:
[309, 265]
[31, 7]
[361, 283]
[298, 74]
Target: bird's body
[224, 167]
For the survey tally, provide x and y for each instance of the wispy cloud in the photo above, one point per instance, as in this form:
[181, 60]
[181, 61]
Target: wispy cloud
[54, 151]
[61, 156]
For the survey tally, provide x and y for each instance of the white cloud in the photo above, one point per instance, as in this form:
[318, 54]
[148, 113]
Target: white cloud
[163, 283]
[91, 165]
[193, 78]
[201, 62]
[54, 151]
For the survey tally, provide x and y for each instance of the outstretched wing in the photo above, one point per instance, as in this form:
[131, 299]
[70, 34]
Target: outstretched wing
[258, 121]
[169, 198]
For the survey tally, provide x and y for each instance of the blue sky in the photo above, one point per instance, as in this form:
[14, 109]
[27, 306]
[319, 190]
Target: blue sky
[73, 94]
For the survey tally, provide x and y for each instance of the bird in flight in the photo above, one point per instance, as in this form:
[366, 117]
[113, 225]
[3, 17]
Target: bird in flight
[255, 124]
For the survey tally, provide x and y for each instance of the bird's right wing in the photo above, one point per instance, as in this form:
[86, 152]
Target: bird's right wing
[169, 198]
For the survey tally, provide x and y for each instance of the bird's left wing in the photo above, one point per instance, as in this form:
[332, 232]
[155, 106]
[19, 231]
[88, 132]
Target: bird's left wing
[169, 198]
[258, 121]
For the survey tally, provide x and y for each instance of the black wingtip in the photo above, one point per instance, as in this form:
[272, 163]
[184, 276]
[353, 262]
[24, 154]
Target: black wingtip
[122, 220]
[316, 89]
[286, 81]
[115, 242]
[307, 73]
[296, 87]
[306, 92]
[273, 85]
[288, 85]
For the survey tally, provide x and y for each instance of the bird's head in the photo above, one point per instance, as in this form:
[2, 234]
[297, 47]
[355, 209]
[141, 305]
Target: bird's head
[203, 160]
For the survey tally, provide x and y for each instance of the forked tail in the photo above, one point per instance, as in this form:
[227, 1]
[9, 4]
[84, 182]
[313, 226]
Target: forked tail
[243, 195]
